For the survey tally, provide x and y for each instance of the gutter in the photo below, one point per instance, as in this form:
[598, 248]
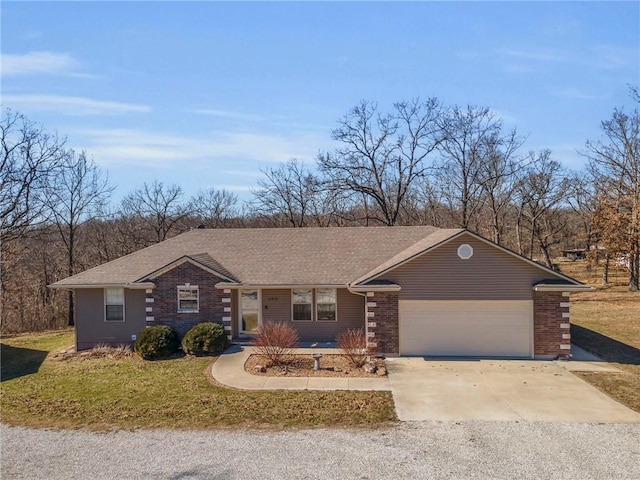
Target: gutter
[128, 285]
[562, 288]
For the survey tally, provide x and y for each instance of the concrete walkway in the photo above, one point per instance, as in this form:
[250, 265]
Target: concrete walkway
[583, 361]
[229, 370]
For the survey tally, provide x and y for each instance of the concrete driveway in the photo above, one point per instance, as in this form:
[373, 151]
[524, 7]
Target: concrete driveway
[427, 389]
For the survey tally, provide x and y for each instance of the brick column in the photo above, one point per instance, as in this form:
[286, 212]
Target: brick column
[382, 322]
[551, 324]
[149, 307]
[226, 316]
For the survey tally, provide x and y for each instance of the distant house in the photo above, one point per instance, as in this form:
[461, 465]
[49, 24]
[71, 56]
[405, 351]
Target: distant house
[413, 290]
[575, 253]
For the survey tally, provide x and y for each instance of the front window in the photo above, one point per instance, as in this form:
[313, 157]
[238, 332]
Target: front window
[302, 301]
[188, 299]
[114, 304]
[326, 304]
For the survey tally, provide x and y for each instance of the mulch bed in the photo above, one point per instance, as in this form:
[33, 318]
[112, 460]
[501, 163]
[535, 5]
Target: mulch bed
[302, 366]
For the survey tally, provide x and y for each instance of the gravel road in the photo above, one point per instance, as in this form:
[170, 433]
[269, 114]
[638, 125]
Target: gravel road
[434, 450]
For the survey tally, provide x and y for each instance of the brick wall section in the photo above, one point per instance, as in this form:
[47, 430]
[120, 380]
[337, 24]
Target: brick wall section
[551, 323]
[382, 322]
[165, 296]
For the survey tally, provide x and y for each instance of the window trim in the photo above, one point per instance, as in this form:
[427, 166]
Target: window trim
[104, 307]
[188, 287]
[311, 304]
[335, 303]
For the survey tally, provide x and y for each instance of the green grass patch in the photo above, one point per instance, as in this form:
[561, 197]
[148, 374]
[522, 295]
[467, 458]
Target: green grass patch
[130, 393]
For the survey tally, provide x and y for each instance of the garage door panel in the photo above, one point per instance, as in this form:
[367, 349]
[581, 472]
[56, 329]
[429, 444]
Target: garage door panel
[466, 328]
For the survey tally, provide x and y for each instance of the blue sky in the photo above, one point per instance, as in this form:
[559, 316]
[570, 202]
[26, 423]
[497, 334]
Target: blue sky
[204, 94]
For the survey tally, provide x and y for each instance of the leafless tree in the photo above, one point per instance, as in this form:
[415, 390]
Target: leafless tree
[475, 163]
[614, 162]
[30, 156]
[76, 196]
[382, 155]
[291, 192]
[214, 208]
[158, 208]
[498, 177]
[543, 194]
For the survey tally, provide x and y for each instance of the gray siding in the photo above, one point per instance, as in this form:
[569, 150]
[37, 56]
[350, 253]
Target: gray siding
[91, 329]
[276, 306]
[490, 274]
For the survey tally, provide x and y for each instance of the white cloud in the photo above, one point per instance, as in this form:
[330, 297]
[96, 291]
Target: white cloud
[67, 105]
[596, 57]
[229, 115]
[580, 94]
[151, 149]
[33, 63]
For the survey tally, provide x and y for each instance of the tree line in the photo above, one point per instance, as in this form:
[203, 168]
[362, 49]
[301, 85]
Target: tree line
[419, 163]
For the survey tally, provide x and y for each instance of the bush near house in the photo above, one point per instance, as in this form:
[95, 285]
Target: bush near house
[275, 341]
[156, 342]
[353, 344]
[206, 338]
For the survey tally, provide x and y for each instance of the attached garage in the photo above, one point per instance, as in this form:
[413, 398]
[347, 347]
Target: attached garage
[496, 328]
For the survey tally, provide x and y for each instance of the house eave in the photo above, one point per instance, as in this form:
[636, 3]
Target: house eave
[127, 285]
[375, 288]
[562, 288]
[230, 285]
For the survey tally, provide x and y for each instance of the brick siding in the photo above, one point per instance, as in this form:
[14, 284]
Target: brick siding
[165, 298]
[551, 324]
[382, 327]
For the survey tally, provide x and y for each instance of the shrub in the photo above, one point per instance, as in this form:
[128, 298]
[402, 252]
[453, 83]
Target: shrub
[353, 344]
[206, 338]
[156, 342]
[275, 341]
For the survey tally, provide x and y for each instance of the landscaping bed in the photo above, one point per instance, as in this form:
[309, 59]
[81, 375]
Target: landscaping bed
[303, 366]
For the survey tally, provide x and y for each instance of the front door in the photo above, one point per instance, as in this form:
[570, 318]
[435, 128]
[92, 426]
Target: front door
[249, 311]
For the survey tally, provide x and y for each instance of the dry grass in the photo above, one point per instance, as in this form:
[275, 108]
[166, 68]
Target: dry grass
[606, 322]
[105, 393]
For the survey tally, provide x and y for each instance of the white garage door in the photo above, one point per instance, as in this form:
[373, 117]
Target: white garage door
[466, 328]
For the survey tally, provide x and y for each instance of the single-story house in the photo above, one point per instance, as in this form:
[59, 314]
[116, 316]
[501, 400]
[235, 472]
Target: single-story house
[413, 290]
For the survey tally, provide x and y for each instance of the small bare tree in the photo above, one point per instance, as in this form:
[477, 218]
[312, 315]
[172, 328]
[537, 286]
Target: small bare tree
[353, 344]
[275, 341]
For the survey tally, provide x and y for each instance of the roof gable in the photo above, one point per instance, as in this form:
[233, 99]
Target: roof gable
[431, 243]
[201, 260]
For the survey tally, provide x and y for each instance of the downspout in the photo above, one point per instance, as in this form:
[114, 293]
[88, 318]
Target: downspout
[366, 317]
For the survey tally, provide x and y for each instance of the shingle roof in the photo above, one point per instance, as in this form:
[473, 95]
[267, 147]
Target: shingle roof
[270, 256]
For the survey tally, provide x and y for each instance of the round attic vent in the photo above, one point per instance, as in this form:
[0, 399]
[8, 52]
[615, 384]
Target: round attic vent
[465, 251]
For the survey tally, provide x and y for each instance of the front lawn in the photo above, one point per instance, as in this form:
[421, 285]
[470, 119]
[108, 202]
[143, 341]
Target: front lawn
[132, 393]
